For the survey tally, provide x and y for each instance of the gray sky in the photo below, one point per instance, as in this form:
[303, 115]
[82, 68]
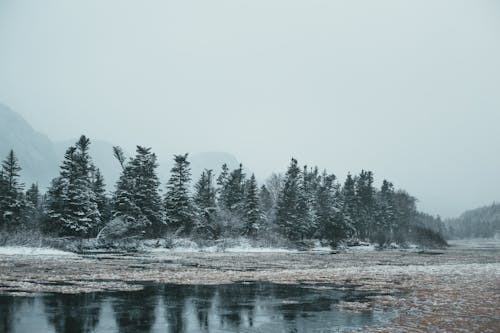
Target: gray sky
[407, 89]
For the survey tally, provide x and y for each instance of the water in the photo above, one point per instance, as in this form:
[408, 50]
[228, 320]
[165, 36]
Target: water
[240, 307]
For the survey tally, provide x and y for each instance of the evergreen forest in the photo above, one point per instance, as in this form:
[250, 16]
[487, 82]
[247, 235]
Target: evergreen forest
[297, 206]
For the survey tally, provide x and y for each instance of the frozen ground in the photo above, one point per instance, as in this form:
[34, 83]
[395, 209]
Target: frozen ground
[451, 290]
[32, 251]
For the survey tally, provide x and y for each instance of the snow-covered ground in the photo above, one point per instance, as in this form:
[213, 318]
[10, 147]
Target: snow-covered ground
[477, 243]
[238, 245]
[32, 251]
[235, 246]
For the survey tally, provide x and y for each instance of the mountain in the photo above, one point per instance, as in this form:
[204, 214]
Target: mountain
[34, 150]
[212, 161]
[40, 158]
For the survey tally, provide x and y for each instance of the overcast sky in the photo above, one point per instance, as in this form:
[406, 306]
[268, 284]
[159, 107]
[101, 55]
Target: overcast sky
[408, 89]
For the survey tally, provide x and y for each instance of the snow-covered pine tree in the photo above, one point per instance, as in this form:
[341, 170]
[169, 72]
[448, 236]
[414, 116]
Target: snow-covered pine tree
[126, 216]
[71, 206]
[33, 195]
[178, 205]
[266, 202]
[205, 205]
[405, 212]
[233, 192]
[328, 209]
[222, 180]
[12, 200]
[252, 213]
[55, 210]
[349, 206]
[102, 201]
[137, 200]
[33, 211]
[365, 194]
[309, 187]
[3, 190]
[146, 189]
[384, 213]
[82, 201]
[120, 156]
[290, 213]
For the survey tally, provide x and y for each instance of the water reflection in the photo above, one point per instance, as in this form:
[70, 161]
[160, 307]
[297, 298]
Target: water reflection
[135, 311]
[202, 301]
[73, 313]
[248, 307]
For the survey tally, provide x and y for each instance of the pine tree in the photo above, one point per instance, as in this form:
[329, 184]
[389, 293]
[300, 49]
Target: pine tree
[405, 212]
[3, 191]
[12, 200]
[178, 205]
[205, 204]
[72, 208]
[266, 201]
[290, 215]
[384, 213]
[102, 201]
[82, 205]
[232, 192]
[385, 206]
[309, 187]
[137, 200]
[55, 211]
[349, 206]
[123, 201]
[365, 194]
[11, 172]
[120, 156]
[222, 180]
[33, 210]
[33, 195]
[146, 189]
[268, 208]
[328, 209]
[252, 214]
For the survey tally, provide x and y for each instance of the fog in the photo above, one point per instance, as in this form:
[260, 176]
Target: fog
[407, 89]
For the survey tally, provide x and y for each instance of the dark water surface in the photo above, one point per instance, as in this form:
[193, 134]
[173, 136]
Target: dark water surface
[239, 307]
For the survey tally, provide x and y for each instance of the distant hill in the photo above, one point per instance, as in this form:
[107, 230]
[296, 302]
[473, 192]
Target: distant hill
[483, 222]
[34, 150]
[40, 157]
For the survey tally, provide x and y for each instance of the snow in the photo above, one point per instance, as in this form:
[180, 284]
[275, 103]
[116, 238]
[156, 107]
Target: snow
[175, 250]
[242, 245]
[477, 243]
[250, 249]
[357, 248]
[238, 245]
[32, 251]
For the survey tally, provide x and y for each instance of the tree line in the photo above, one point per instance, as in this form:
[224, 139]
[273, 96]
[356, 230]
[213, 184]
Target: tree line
[482, 222]
[301, 204]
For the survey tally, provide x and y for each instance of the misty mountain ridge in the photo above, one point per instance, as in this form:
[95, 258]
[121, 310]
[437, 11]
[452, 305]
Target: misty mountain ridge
[40, 157]
[35, 151]
[482, 222]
